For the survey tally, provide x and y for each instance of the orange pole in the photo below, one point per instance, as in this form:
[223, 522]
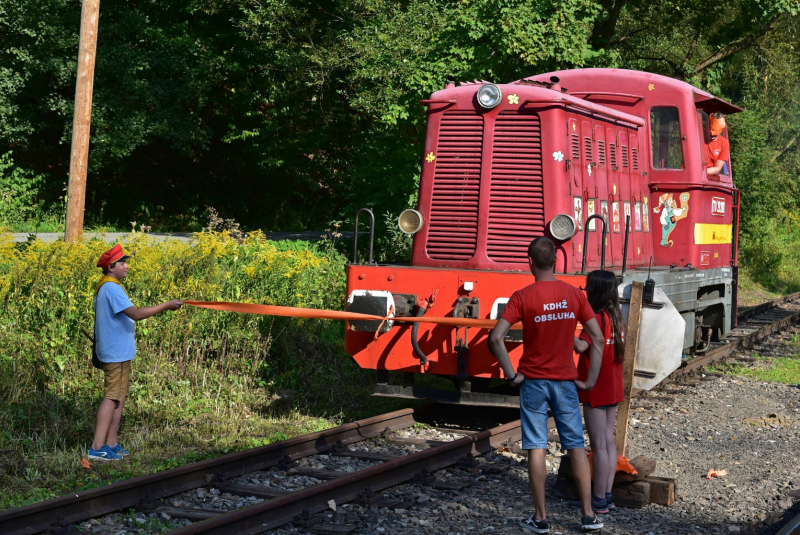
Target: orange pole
[82, 120]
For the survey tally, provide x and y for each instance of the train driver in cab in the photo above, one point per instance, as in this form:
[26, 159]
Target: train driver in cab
[718, 149]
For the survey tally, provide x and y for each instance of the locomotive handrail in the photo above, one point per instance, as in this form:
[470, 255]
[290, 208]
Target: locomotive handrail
[371, 235]
[587, 94]
[602, 243]
[568, 100]
[429, 102]
[625, 247]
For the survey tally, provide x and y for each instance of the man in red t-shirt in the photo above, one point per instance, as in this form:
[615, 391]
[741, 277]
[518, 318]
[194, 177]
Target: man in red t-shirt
[718, 149]
[550, 310]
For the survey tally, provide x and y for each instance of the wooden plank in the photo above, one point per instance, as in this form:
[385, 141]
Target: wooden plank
[634, 495]
[366, 455]
[82, 119]
[258, 492]
[644, 466]
[663, 490]
[189, 513]
[320, 474]
[415, 442]
[629, 366]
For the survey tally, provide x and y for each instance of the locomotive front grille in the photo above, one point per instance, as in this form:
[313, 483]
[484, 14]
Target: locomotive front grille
[516, 202]
[453, 228]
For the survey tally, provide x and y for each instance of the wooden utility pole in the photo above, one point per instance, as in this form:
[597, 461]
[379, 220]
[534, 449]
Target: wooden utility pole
[629, 366]
[82, 120]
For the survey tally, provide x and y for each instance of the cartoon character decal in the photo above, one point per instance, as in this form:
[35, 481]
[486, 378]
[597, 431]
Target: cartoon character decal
[590, 213]
[615, 211]
[578, 208]
[671, 213]
[637, 217]
[646, 213]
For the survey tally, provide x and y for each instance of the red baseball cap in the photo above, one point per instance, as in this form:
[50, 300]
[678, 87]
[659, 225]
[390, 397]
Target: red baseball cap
[115, 254]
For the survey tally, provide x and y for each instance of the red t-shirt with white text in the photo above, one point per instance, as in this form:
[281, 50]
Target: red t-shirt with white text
[549, 312]
[608, 388]
[718, 149]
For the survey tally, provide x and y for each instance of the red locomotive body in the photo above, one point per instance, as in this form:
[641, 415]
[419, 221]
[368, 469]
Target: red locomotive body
[543, 156]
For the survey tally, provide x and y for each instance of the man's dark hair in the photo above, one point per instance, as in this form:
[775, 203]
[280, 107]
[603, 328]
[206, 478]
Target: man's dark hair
[107, 270]
[542, 252]
[718, 115]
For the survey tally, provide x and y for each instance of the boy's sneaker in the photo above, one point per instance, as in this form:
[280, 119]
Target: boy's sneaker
[536, 526]
[599, 506]
[591, 523]
[610, 501]
[119, 450]
[103, 454]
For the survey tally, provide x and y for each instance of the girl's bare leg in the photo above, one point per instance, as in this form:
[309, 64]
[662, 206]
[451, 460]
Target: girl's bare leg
[596, 421]
[611, 447]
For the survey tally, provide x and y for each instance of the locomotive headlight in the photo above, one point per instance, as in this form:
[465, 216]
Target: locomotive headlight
[489, 96]
[563, 227]
[410, 221]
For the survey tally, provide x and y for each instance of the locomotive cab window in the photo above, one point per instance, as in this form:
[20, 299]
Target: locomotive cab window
[705, 139]
[665, 137]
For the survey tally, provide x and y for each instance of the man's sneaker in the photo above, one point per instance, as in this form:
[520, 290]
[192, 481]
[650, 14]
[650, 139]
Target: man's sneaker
[610, 501]
[119, 450]
[591, 523]
[599, 506]
[103, 454]
[536, 526]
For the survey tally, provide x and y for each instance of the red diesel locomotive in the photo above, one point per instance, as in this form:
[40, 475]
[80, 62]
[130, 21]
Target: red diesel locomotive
[505, 163]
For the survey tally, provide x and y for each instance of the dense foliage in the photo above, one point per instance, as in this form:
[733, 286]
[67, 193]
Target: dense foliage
[203, 381]
[287, 115]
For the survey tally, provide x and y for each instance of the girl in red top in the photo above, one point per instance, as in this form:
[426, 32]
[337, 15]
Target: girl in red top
[600, 403]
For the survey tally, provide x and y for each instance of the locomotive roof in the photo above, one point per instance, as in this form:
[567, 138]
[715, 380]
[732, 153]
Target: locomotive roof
[627, 83]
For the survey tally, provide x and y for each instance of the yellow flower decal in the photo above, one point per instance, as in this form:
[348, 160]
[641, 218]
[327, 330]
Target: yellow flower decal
[513, 99]
[430, 157]
[614, 189]
[574, 127]
[651, 87]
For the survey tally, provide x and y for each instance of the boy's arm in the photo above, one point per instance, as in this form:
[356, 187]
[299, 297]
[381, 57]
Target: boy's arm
[137, 314]
[498, 347]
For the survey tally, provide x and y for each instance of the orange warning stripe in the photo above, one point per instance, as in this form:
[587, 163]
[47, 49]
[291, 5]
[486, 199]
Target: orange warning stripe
[292, 312]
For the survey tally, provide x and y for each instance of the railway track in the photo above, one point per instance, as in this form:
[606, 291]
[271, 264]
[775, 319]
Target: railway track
[363, 443]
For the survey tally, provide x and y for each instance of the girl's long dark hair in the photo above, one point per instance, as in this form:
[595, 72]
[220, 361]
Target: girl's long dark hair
[601, 290]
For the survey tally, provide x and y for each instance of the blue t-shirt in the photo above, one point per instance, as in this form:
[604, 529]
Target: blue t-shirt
[113, 329]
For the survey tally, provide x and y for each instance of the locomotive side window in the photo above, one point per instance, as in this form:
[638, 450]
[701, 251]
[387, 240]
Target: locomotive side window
[665, 137]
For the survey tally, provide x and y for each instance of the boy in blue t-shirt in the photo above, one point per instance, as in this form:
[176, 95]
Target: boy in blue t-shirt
[115, 346]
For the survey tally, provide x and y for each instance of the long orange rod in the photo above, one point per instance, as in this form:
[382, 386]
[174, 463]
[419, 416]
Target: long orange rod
[292, 312]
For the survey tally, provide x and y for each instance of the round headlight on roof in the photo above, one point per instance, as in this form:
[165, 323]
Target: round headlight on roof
[563, 227]
[489, 96]
[410, 221]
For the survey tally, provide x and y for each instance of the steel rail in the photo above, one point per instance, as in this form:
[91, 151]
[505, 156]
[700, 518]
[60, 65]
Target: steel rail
[58, 513]
[791, 528]
[280, 511]
[749, 312]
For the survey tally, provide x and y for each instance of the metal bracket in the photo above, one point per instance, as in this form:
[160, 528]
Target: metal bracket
[467, 308]
[462, 356]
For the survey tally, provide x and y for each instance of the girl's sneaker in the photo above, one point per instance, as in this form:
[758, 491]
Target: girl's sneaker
[610, 501]
[599, 505]
[119, 450]
[591, 524]
[536, 526]
[103, 454]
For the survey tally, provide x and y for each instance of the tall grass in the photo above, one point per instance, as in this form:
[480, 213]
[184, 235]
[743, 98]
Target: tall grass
[202, 381]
